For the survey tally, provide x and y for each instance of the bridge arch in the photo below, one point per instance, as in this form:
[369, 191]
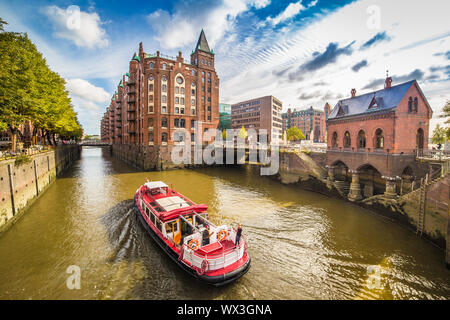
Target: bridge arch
[341, 170]
[371, 180]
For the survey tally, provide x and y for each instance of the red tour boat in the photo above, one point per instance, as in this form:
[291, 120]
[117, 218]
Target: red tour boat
[183, 231]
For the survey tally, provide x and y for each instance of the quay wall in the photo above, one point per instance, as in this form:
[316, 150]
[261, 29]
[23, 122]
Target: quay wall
[307, 172]
[21, 184]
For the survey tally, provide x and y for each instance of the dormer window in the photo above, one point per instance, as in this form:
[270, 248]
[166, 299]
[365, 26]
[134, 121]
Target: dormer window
[374, 104]
[340, 112]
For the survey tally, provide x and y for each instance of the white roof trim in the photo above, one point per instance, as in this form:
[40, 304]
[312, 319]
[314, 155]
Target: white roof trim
[156, 184]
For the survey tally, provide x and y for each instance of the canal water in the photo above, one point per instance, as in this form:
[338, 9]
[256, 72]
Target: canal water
[303, 245]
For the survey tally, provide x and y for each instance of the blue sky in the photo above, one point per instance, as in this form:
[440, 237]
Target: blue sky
[305, 52]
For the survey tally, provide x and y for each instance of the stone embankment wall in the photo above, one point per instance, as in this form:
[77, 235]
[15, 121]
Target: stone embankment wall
[21, 184]
[307, 172]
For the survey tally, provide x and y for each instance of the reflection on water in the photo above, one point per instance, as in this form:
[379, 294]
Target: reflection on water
[303, 245]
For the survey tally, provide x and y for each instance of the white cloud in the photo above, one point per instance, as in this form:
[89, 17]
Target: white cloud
[89, 102]
[254, 67]
[182, 28]
[84, 29]
[291, 10]
[87, 91]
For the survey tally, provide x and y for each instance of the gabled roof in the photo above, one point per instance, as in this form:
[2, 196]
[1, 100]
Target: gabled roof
[381, 100]
[202, 43]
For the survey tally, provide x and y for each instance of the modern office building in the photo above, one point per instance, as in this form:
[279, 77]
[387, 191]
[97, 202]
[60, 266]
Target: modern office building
[225, 116]
[259, 113]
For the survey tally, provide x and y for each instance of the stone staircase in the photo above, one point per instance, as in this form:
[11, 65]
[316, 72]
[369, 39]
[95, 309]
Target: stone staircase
[343, 187]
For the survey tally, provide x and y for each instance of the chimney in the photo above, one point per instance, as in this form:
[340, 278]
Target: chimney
[388, 81]
[353, 92]
[141, 50]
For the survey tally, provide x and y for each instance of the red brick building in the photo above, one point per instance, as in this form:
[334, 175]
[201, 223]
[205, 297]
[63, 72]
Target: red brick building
[310, 121]
[375, 137]
[160, 94]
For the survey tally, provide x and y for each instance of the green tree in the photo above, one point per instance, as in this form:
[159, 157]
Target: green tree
[30, 91]
[446, 112]
[439, 135]
[294, 134]
[242, 133]
[2, 23]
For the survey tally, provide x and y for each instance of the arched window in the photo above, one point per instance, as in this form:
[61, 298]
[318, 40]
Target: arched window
[347, 140]
[416, 103]
[164, 122]
[164, 99]
[150, 87]
[164, 88]
[334, 141]
[177, 110]
[361, 139]
[177, 100]
[164, 66]
[164, 137]
[410, 103]
[193, 72]
[151, 65]
[379, 139]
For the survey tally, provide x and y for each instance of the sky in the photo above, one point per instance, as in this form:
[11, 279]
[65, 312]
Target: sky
[305, 53]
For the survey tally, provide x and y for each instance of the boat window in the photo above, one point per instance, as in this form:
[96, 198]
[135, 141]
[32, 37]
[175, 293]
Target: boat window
[147, 212]
[153, 204]
[159, 225]
[169, 226]
[152, 218]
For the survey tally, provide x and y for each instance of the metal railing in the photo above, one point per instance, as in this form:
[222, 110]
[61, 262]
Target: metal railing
[439, 155]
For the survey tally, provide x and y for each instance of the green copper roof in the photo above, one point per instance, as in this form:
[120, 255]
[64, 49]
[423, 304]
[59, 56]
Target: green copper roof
[127, 74]
[136, 57]
[121, 84]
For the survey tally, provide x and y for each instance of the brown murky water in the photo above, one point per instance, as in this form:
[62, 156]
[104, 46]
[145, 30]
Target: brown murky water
[303, 245]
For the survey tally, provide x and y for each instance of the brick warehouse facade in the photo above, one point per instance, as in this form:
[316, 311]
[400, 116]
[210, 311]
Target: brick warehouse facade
[310, 121]
[160, 94]
[374, 138]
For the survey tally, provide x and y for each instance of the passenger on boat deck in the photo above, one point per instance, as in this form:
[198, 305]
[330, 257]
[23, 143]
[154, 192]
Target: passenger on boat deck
[205, 236]
[238, 234]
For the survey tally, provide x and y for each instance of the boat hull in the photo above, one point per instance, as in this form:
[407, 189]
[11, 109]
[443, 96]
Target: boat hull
[217, 281]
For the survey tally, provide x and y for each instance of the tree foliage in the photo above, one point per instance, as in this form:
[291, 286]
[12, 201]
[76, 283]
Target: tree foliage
[439, 135]
[242, 133]
[30, 91]
[294, 134]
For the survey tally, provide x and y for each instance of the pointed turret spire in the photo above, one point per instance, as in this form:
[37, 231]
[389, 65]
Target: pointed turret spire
[202, 43]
